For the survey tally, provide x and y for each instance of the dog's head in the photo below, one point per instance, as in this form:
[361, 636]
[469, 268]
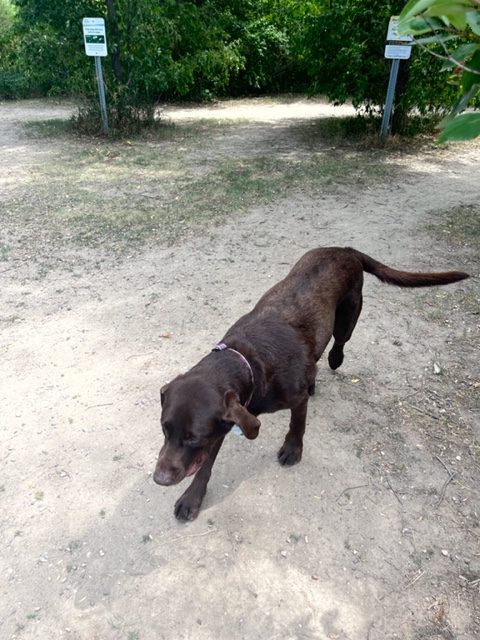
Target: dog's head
[195, 415]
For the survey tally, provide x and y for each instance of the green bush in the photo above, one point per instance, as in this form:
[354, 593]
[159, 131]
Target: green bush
[344, 55]
[12, 85]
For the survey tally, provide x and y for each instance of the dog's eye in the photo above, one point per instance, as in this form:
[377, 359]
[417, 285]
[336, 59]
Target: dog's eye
[190, 440]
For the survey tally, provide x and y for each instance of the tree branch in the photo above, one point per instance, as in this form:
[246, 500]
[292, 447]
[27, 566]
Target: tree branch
[448, 58]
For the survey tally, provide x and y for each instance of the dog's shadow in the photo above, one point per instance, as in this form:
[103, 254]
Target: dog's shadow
[128, 542]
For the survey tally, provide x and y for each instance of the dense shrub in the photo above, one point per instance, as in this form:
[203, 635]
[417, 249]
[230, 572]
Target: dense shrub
[344, 55]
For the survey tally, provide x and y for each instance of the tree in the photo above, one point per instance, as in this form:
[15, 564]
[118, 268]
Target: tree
[450, 31]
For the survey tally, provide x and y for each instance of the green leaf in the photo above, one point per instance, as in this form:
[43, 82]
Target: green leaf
[416, 26]
[454, 13]
[465, 51]
[473, 19]
[464, 100]
[469, 78]
[414, 7]
[419, 25]
[464, 127]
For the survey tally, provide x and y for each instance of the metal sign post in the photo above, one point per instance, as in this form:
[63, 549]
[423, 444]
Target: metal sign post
[101, 93]
[96, 46]
[394, 52]
[387, 111]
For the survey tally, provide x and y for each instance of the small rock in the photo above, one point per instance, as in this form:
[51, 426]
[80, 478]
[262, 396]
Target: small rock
[445, 553]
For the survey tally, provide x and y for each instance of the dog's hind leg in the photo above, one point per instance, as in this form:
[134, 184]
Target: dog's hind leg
[291, 450]
[346, 317]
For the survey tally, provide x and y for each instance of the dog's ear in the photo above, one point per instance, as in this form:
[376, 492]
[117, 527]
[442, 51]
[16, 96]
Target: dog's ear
[162, 393]
[233, 411]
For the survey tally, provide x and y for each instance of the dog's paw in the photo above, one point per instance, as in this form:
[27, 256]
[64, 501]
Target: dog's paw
[289, 454]
[187, 509]
[335, 357]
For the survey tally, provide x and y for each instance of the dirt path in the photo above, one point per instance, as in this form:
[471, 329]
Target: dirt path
[375, 535]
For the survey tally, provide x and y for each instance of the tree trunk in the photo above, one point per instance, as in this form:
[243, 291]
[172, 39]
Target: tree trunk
[400, 112]
[112, 19]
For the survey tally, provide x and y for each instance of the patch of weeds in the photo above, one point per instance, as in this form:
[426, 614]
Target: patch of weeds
[52, 128]
[474, 450]
[459, 224]
[470, 301]
[116, 623]
[10, 319]
[18, 533]
[4, 252]
[33, 616]
[435, 314]
[117, 457]
[425, 125]
[147, 538]
[345, 429]
[438, 307]
[346, 129]
[419, 559]
[39, 495]
[123, 194]
[294, 537]
[133, 635]
[471, 574]
[153, 298]
[102, 513]
[74, 545]
[2, 488]
[127, 116]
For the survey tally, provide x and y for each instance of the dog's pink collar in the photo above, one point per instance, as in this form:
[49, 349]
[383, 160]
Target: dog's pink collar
[221, 346]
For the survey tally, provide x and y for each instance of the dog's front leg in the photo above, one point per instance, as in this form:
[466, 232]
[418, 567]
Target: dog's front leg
[188, 505]
[291, 450]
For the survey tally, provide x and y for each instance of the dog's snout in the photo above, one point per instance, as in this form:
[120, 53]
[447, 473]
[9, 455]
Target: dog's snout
[166, 476]
[163, 477]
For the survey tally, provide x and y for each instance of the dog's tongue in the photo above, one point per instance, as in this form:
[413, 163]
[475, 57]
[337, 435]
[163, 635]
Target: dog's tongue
[193, 468]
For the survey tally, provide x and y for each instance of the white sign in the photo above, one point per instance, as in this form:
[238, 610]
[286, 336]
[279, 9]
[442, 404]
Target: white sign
[392, 33]
[94, 36]
[398, 51]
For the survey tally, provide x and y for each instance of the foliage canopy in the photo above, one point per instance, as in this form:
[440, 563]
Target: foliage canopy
[199, 49]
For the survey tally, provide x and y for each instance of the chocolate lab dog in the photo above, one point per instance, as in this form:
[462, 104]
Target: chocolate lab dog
[267, 362]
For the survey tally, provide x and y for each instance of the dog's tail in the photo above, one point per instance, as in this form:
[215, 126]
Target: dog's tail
[406, 278]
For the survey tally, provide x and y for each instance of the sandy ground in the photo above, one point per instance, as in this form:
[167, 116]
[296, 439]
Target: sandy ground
[374, 536]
